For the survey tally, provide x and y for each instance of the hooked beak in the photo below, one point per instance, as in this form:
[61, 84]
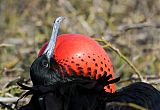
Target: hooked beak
[49, 51]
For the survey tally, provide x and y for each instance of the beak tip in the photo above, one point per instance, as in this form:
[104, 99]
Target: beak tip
[59, 19]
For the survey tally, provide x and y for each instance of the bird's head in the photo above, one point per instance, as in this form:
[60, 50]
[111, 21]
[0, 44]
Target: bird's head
[41, 72]
[71, 55]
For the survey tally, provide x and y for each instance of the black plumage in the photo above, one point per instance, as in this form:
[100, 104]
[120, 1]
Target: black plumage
[90, 95]
[42, 74]
[142, 94]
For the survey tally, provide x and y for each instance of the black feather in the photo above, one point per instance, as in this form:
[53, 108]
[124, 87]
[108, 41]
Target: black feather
[87, 95]
[139, 93]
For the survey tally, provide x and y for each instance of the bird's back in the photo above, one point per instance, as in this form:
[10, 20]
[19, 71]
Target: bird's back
[141, 94]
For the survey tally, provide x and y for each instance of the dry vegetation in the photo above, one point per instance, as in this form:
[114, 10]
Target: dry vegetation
[132, 26]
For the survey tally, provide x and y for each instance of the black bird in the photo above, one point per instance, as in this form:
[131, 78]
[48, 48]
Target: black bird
[53, 90]
[71, 93]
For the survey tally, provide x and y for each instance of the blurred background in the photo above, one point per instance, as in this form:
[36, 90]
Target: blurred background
[132, 26]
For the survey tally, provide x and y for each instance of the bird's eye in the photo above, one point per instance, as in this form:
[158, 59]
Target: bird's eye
[45, 63]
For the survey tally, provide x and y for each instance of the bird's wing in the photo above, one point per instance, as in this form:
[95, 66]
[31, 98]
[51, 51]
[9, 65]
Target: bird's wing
[137, 95]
